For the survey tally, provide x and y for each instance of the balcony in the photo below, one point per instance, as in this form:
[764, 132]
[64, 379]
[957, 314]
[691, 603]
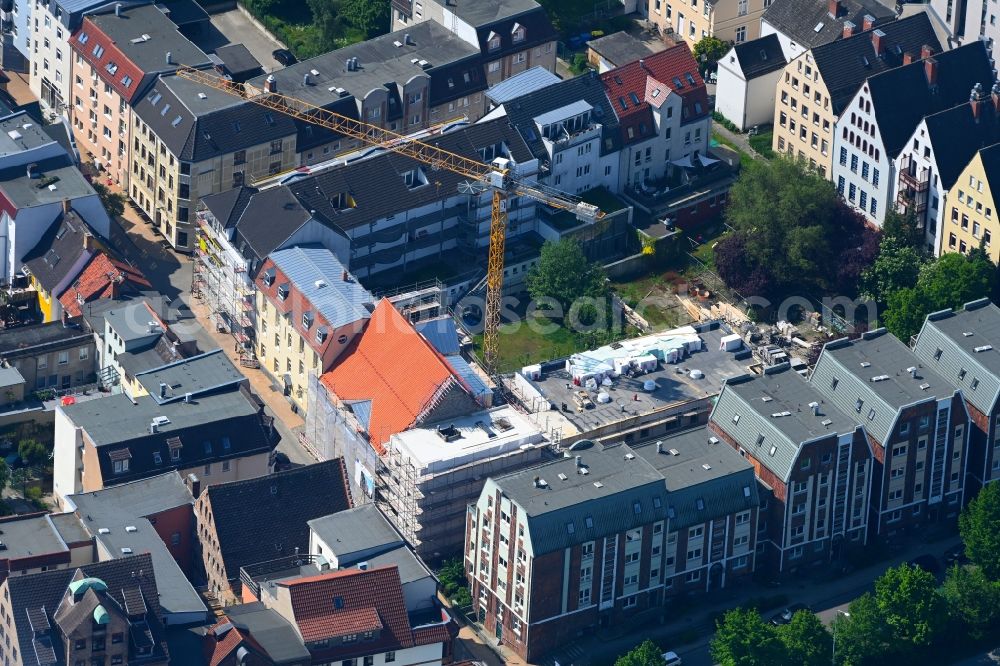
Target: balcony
[912, 200]
[911, 177]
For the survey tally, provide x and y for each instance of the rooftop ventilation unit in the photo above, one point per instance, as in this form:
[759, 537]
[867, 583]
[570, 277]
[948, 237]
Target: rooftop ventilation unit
[713, 440]
[983, 348]
[398, 44]
[826, 422]
[126, 551]
[767, 398]
[103, 530]
[880, 378]
[967, 334]
[674, 452]
[865, 364]
[924, 387]
[130, 528]
[706, 466]
[598, 484]
[629, 456]
[562, 477]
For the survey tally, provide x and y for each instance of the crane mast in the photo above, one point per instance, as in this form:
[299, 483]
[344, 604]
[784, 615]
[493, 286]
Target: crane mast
[498, 175]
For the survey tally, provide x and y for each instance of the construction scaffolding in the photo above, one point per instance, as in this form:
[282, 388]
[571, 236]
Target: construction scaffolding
[221, 281]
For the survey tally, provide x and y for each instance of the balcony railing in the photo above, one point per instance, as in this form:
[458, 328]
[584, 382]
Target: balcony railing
[912, 177]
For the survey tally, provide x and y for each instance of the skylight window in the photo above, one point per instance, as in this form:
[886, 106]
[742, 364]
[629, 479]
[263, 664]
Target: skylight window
[84, 37]
[621, 100]
[98, 51]
[127, 81]
[163, 111]
[689, 77]
[175, 122]
[677, 83]
[635, 98]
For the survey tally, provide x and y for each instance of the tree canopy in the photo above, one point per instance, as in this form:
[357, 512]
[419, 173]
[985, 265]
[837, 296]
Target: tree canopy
[32, 452]
[792, 234]
[709, 51]
[742, 638]
[806, 640]
[565, 274]
[910, 606]
[646, 653]
[973, 600]
[979, 525]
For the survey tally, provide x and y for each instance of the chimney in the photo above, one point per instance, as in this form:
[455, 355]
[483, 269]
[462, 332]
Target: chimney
[848, 29]
[815, 408]
[878, 39]
[346, 276]
[907, 58]
[355, 63]
[169, 58]
[305, 79]
[976, 99]
[118, 9]
[187, 398]
[926, 51]
[833, 8]
[153, 429]
[913, 369]
[193, 483]
[270, 84]
[65, 205]
[659, 447]
[33, 171]
[347, 65]
[89, 242]
[995, 94]
[407, 39]
[163, 389]
[868, 22]
[930, 70]
[579, 461]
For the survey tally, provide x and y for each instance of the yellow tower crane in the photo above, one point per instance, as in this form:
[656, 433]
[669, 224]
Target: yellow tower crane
[498, 175]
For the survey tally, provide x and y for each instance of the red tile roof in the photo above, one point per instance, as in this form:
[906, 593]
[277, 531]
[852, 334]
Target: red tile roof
[103, 277]
[218, 649]
[352, 601]
[394, 367]
[110, 56]
[674, 68]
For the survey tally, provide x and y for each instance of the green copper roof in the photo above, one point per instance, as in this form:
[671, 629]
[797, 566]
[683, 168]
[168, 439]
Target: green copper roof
[78, 587]
[101, 615]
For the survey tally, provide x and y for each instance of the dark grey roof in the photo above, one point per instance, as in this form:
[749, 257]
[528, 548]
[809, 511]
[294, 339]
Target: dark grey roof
[842, 63]
[271, 631]
[28, 536]
[771, 416]
[871, 377]
[453, 66]
[362, 529]
[809, 23]
[58, 180]
[70, 528]
[483, 12]
[901, 97]
[269, 218]
[27, 340]
[184, 13]
[279, 506]
[957, 135]
[197, 375]
[702, 469]
[211, 122]
[392, 194]
[521, 111]
[557, 509]
[19, 132]
[410, 567]
[228, 206]
[46, 589]
[129, 505]
[964, 348]
[129, 30]
[51, 260]
[237, 59]
[499, 17]
[619, 48]
[61, 133]
[760, 56]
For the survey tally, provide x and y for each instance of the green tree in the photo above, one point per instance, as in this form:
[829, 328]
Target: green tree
[807, 642]
[32, 452]
[742, 638]
[646, 653]
[861, 636]
[113, 202]
[896, 267]
[5, 476]
[903, 229]
[708, 52]
[454, 583]
[909, 603]
[979, 525]
[972, 599]
[565, 274]
[371, 17]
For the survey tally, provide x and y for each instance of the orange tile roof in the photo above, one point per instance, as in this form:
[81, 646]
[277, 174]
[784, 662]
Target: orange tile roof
[103, 277]
[352, 601]
[394, 367]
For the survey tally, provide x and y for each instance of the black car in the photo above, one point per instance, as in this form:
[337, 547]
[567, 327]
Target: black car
[284, 56]
[785, 616]
[928, 563]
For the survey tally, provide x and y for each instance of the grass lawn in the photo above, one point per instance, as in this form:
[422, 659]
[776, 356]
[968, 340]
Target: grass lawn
[522, 344]
[762, 144]
[649, 295]
[745, 158]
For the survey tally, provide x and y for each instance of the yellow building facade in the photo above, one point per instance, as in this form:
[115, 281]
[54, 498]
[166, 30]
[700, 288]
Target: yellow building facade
[970, 206]
[729, 20]
[803, 117]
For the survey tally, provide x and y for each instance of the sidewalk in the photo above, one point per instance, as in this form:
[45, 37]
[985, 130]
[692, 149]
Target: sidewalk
[741, 140]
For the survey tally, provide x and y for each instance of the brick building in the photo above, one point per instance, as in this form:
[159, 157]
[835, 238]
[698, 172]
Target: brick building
[604, 533]
[813, 463]
[916, 422]
[962, 347]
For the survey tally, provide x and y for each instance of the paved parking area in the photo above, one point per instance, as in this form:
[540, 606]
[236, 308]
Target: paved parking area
[239, 29]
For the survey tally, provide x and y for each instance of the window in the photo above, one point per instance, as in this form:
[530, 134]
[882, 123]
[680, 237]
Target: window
[585, 597]
[694, 554]
[390, 657]
[121, 466]
[63, 358]
[743, 518]
[741, 32]
[694, 576]
[695, 532]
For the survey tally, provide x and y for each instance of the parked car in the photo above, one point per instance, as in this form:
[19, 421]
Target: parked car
[672, 659]
[785, 616]
[955, 555]
[928, 563]
[284, 57]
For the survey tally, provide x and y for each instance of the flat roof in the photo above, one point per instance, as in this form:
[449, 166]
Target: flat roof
[197, 374]
[117, 419]
[620, 48]
[24, 338]
[19, 132]
[482, 12]
[473, 437]
[30, 536]
[674, 384]
[119, 508]
[362, 528]
[697, 459]
[58, 180]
